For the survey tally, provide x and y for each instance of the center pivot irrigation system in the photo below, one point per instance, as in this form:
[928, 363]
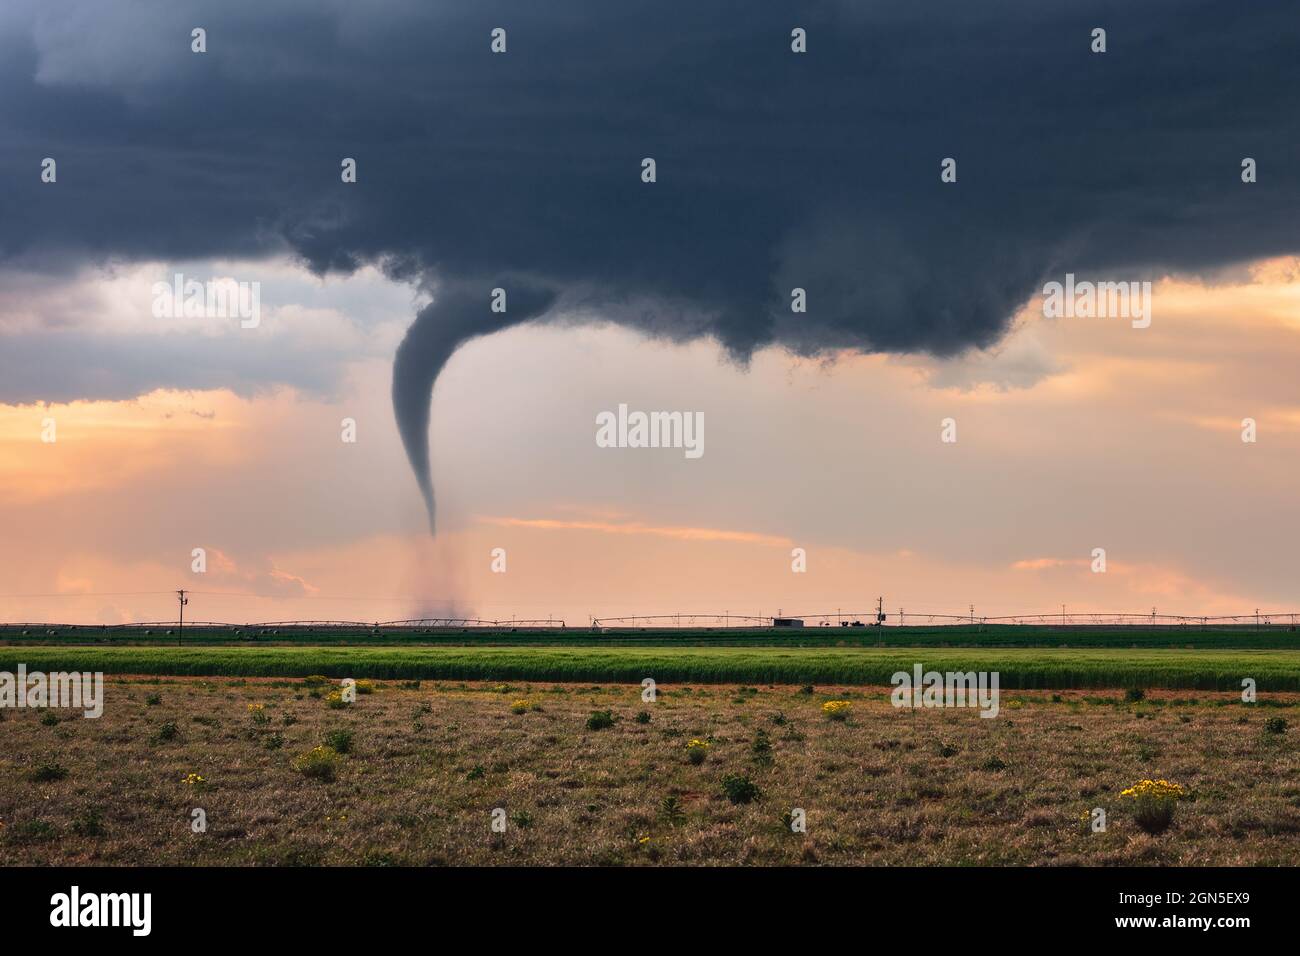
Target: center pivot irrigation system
[877, 617]
[274, 628]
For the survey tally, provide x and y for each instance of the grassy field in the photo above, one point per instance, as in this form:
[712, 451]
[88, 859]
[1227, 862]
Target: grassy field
[1134, 637]
[427, 766]
[1019, 668]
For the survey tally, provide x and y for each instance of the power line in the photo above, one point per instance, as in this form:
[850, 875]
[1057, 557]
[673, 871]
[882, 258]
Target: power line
[80, 594]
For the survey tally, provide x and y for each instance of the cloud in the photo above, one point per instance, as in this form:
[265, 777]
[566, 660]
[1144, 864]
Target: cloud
[258, 577]
[638, 528]
[1043, 564]
[775, 169]
[93, 335]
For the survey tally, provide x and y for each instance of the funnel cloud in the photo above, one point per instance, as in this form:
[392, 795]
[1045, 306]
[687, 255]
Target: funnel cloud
[457, 315]
[775, 169]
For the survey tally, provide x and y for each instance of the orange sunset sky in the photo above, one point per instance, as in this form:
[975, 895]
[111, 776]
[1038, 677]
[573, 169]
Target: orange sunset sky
[1073, 434]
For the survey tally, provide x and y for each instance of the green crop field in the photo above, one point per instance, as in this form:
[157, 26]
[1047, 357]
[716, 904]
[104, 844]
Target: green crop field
[1019, 668]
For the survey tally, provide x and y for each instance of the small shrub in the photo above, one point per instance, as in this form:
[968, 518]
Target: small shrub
[806, 690]
[1275, 725]
[88, 824]
[519, 707]
[49, 718]
[153, 700]
[761, 748]
[47, 773]
[273, 741]
[315, 680]
[993, 764]
[335, 700]
[259, 714]
[739, 788]
[779, 719]
[947, 750]
[339, 741]
[365, 687]
[670, 810]
[476, 773]
[289, 720]
[600, 719]
[317, 763]
[1154, 802]
[696, 751]
[837, 709]
[643, 717]
[34, 831]
[1134, 694]
[522, 819]
[166, 732]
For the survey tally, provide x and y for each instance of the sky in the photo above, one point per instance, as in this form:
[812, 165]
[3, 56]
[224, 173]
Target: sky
[823, 430]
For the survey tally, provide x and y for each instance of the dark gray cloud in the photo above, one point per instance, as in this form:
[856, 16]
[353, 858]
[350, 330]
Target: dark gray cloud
[775, 169]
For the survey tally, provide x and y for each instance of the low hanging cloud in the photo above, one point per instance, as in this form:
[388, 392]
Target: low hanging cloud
[775, 169]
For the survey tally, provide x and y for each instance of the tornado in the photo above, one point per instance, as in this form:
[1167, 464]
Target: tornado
[459, 313]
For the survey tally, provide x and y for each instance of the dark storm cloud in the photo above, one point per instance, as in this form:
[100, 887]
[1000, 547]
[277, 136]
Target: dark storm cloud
[775, 169]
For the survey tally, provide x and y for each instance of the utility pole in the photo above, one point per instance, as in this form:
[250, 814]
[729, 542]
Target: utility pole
[972, 613]
[1062, 615]
[182, 600]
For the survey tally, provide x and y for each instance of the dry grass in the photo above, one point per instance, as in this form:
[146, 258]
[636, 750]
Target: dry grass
[428, 766]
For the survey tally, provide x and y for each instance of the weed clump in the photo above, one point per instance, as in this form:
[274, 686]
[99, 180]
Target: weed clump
[739, 788]
[837, 709]
[47, 773]
[318, 763]
[340, 741]
[1154, 802]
